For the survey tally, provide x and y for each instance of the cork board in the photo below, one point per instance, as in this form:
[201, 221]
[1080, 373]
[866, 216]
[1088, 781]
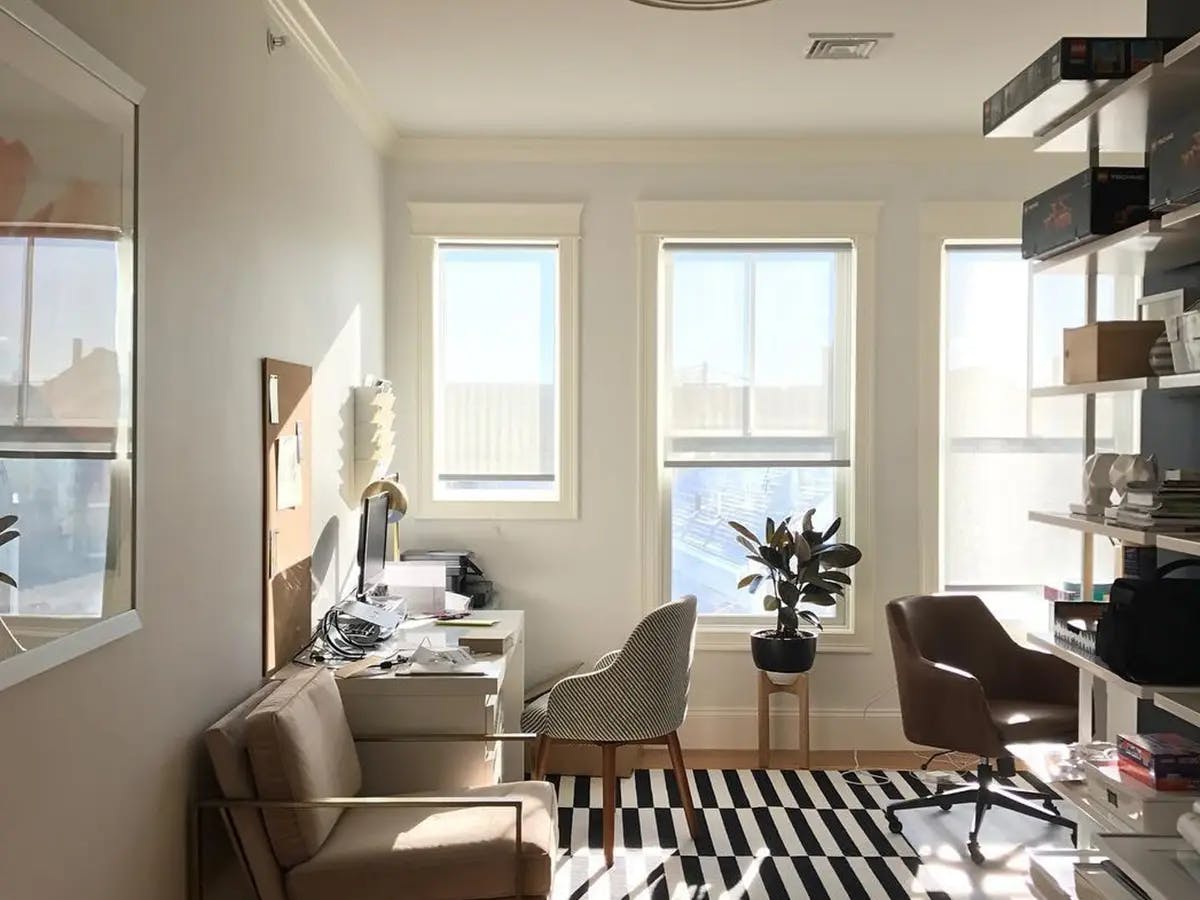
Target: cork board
[287, 512]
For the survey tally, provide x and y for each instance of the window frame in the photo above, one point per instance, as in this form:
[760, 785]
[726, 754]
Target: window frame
[434, 224]
[980, 224]
[80, 73]
[799, 222]
[944, 225]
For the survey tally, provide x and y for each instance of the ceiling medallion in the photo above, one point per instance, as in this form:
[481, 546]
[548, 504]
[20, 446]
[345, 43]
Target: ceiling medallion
[694, 5]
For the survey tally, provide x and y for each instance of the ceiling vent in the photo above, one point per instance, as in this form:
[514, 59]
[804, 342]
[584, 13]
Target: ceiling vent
[699, 4]
[845, 46]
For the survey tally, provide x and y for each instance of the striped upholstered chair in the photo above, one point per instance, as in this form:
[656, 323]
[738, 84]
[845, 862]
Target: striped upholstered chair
[635, 695]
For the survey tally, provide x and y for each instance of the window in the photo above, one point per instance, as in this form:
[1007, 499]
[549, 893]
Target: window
[1004, 453]
[64, 405]
[498, 409]
[758, 409]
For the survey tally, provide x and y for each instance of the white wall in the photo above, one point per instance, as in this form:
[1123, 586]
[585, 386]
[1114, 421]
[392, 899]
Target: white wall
[262, 223]
[578, 580]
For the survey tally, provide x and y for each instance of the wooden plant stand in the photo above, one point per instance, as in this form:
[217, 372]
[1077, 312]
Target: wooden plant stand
[765, 689]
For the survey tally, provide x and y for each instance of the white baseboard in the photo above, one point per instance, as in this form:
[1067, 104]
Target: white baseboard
[736, 728]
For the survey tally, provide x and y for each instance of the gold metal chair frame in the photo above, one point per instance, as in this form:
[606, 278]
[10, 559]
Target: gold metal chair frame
[224, 806]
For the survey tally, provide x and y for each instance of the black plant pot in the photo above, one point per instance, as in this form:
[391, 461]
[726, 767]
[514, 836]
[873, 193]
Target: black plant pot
[785, 655]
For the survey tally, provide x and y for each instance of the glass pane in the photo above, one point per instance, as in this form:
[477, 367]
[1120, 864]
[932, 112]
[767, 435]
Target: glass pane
[794, 295]
[12, 294]
[1005, 454]
[497, 363]
[708, 343]
[752, 344]
[74, 376]
[706, 559]
[60, 559]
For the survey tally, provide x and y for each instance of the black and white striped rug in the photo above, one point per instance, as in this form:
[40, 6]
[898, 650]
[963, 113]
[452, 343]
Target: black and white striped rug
[770, 834]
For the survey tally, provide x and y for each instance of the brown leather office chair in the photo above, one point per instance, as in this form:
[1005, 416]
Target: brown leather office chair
[966, 686]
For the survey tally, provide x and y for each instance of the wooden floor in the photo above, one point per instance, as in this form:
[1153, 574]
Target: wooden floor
[655, 758]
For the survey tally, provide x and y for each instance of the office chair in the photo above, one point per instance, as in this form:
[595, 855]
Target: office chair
[965, 685]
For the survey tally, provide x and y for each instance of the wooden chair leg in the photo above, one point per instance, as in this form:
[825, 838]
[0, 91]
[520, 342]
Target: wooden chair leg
[681, 781]
[609, 790]
[541, 756]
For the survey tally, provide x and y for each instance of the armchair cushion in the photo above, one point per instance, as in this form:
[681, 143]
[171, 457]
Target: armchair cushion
[300, 748]
[1019, 721]
[226, 743]
[435, 854]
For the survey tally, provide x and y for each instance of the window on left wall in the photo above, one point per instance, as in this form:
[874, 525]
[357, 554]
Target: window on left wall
[65, 401]
[498, 416]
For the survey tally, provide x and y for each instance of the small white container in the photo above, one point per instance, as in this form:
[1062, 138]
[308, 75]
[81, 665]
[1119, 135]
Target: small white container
[1168, 303]
[1189, 334]
[1179, 353]
[1137, 806]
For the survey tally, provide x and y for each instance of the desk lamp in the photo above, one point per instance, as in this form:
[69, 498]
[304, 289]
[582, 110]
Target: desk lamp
[397, 506]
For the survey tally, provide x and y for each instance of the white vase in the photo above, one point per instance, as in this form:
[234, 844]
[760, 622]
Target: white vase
[783, 679]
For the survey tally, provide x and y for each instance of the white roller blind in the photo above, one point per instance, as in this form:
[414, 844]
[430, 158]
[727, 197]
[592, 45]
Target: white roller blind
[758, 354]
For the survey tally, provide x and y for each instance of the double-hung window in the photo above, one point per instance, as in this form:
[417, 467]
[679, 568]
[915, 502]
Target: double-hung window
[497, 292]
[755, 408]
[1006, 451]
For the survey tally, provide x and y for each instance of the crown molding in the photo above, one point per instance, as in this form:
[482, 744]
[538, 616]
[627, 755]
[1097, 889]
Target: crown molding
[848, 149]
[301, 25]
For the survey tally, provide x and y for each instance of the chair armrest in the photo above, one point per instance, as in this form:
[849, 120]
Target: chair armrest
[1042, 676]
[196, 889]
[947, 708]
[360, 803]
[440, 738]
[592, 706]
[606, 660]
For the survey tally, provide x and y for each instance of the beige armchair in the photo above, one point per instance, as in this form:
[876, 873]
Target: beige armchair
[289, 774]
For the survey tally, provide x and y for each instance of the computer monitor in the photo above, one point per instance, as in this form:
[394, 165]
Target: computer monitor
[372, 542]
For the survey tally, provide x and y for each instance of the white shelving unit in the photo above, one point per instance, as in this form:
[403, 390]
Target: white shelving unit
[1188, 544]
[1189, 381]
[1177, 703]
[1115, 120]
[1179, 543]
[1094, 526]
[1153, 863]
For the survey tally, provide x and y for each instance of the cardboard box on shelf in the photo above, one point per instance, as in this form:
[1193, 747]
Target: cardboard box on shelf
[1109, 351]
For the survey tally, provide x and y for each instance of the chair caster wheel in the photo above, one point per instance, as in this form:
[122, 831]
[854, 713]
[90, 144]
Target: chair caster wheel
[894, 825]
[976, 854]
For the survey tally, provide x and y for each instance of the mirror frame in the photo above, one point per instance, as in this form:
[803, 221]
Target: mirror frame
[60, 40]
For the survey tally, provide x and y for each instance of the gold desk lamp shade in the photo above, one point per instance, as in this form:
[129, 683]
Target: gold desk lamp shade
[397, 506]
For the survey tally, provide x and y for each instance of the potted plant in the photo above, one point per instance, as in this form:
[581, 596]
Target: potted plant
[802, 566]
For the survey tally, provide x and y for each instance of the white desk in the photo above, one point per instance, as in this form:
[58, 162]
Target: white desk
[384, 703]
[1116, 699]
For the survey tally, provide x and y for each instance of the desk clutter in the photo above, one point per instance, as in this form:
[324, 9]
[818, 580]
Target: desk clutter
[1142, 792]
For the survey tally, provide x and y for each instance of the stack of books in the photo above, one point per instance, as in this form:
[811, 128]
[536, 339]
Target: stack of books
[1164, 762]
[1170, 505]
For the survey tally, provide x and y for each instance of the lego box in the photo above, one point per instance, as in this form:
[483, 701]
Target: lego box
[1173, 155]
[1165, 762]
[1098, 201]
[1063, 78]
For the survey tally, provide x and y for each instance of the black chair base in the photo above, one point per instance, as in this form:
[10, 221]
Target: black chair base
[984, 795]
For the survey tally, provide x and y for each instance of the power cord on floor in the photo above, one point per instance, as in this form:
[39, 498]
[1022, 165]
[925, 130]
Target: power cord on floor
[857, 775]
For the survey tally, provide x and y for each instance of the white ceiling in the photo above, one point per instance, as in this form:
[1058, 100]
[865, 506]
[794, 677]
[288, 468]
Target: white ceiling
[614, 68]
